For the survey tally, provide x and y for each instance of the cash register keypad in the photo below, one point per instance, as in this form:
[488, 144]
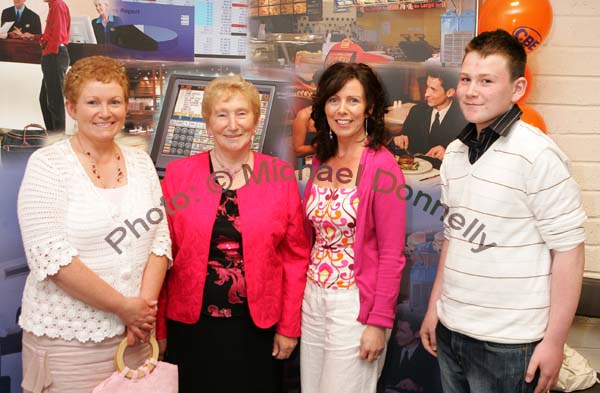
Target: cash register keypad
[186, 137]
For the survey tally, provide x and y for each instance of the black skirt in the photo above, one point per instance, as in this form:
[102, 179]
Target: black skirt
[224, 355]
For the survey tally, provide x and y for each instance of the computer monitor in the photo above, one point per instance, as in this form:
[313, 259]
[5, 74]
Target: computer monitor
[81, 30]
[181, 129]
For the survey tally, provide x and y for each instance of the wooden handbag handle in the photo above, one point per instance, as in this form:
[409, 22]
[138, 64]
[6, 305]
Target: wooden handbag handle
[35, 125]
[120, 361]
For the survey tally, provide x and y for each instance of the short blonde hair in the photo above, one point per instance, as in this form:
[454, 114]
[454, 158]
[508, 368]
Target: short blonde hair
[96, 2]
[94, 68]
[223, 88]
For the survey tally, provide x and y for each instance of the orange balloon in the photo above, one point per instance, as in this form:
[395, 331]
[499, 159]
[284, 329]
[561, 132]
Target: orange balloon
[529, 78]
[528, 20]
[533, 117]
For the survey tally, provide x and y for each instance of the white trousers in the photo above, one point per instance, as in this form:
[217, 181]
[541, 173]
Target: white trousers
[330, 344]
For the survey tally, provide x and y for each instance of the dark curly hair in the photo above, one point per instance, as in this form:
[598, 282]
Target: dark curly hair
[333, 80]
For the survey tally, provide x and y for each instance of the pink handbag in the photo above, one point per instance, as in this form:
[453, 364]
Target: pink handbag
[152, 377]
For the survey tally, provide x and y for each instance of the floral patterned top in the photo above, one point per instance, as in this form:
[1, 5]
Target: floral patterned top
[225, 288]
[332, 213]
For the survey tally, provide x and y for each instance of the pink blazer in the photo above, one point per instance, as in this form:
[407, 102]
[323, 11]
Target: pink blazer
[274, 242]
[379, 240]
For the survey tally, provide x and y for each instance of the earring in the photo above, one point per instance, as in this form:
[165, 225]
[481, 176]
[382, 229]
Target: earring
[366, 127]
[330, 134]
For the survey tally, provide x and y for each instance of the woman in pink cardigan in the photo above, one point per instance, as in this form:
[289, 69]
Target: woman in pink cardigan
[355, 215]
[230, 306]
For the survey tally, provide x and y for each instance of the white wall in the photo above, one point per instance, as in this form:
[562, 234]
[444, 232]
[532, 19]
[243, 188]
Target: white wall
[19, 104]
[566, 92]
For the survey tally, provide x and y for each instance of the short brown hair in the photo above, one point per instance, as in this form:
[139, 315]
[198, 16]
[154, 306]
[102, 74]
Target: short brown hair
[95, 68]
[447, 76]
[500, 42]
[225, 87]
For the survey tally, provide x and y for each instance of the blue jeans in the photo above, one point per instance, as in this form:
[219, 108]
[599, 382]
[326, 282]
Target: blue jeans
[470, 365]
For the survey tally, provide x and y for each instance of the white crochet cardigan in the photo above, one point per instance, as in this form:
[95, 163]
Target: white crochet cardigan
[61, 215]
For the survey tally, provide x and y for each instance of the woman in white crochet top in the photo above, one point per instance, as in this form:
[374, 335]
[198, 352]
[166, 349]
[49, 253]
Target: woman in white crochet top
[96, 242]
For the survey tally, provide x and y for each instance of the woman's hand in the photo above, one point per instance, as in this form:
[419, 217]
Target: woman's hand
[283, 346]
[136, 312]
[135, 334]
[372, 343]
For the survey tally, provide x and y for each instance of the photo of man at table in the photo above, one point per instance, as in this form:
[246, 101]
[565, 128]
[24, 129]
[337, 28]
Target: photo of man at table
[431, 125]
[408, 366]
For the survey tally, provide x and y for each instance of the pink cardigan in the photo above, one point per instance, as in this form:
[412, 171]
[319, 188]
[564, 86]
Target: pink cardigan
[273, 239]
[379, 243]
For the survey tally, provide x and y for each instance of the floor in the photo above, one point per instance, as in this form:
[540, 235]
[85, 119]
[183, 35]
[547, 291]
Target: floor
[584, 337]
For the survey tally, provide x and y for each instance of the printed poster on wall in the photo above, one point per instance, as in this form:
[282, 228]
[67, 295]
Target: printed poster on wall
[153, 30]
[221, 28]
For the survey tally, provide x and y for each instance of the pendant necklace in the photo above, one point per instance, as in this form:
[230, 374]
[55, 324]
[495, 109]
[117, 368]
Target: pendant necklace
[93, 164]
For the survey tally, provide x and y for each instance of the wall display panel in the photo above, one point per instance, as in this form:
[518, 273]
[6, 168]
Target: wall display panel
[221, 28]
[13, 271]
[154, 30]
[165, 2]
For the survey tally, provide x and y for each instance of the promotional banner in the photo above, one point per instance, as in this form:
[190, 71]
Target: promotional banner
[155, 30]
[13, 271]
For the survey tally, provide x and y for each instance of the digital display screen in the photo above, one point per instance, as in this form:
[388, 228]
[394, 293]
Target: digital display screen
[186, 133]
[221, 28]
[182, 131]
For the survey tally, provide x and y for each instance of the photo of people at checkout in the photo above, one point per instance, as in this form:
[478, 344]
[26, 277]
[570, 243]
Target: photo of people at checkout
[21, 20]
[27, 42]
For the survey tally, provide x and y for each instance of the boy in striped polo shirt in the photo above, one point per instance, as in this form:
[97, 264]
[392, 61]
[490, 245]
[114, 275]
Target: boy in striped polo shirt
[511, 265]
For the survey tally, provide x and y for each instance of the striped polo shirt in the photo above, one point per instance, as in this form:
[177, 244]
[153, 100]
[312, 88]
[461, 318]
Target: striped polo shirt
[506, 210]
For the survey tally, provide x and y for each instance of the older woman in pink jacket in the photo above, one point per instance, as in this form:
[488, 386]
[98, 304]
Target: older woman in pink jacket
[230, 307]
[356, 211]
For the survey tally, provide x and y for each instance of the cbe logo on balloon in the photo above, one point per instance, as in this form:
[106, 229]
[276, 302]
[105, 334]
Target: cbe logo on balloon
[530, 38]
